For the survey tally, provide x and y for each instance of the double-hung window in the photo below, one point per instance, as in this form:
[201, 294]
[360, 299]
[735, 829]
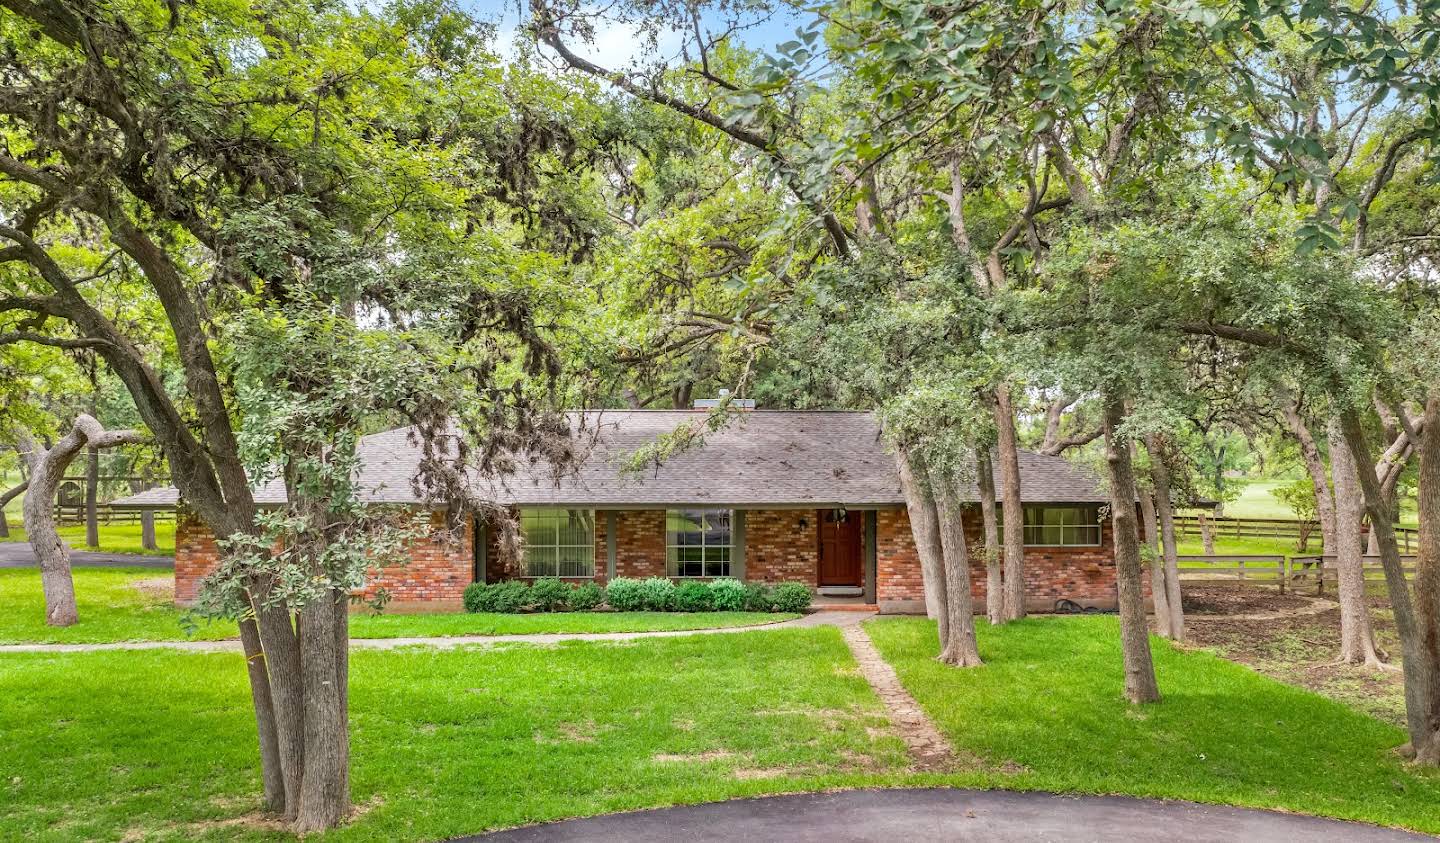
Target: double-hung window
[697, 542]
[559, 542]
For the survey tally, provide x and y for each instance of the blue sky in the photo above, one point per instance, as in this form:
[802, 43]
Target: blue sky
[617, 45]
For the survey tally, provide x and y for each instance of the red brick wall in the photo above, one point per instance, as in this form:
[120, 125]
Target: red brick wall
[639, 543]
[196, 554]
[897, 562]
[778, 548]
[437, 574]
[1083, 574]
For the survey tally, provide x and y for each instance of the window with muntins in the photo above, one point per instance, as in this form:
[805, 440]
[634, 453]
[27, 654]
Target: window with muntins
[559, 542]
[697, 542]
[1060, 526]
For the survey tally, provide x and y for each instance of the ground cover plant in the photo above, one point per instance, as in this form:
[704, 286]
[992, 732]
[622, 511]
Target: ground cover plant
[159, 745]
[1047, 705]
[136, 604]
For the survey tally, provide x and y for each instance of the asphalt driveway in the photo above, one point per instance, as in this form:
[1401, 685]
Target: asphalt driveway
[915, 815]
[19, 555]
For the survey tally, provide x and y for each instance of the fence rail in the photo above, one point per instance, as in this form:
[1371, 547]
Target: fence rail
[1320, 571]
[1242, 567]
[1408, 538]
[67, 515]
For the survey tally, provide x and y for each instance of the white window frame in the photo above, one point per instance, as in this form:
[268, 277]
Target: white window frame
[672, 548]
[581, 554]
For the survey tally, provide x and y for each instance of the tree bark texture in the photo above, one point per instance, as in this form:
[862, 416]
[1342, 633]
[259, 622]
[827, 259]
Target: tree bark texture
[1169, 556]
[325, 783]
[958, 647]
[1008, 453]
[1140, 684]
[994, 577]
[1357, 638]
[47, 470]
[1420, 668]
[1151, 535]
[255, 664]
[1207, 534]
[1315, 467]
[925, 526]
[1427, 580]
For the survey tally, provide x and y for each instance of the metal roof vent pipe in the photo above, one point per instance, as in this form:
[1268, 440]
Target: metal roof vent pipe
[722, 394]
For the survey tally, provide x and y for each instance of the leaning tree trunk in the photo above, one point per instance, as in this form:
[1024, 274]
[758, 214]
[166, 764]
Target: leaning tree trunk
[1008, 451]
[1151, 533]
[1421, 667]
[1357, 639]
[925, 527]
[1140, 684]
[994, 578]
[1165, 513]
[959, 647]
[1427, 578]
[1315, 467]
[1207, 534]
[47, 471]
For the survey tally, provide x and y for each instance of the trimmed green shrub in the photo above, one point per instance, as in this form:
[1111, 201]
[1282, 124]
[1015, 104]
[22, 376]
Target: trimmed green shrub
[624, 595]
[506, 597]
[727, 595]
[657, 594]
[757, 598]
[791, 597]
[549, 594]
[694, 596]
[585, 597]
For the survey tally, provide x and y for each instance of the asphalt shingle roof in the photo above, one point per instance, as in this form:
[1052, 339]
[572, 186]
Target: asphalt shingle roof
[763, 458]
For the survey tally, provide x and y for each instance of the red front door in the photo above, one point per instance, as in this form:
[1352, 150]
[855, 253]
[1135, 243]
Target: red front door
[841, 547]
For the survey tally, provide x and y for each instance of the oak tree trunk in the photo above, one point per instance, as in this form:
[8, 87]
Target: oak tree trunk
[1140, 685]
[255, 665]
[1008, 453]
[281, 645]
[47, 470]
[1357, 639]
[1427, 579]
[1207, 534]
[925, 527]
[1315, 467]
[994, 578]
[1165, 513]
[1151, 534]
[325, 784]
[1420, 666]
[958, 647]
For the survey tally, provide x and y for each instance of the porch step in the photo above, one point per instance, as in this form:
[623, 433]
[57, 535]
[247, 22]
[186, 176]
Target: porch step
[844, 607]
[840, 591]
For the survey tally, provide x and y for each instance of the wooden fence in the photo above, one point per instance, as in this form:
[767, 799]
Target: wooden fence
[1255, 568]
[1408, 538]
[1320, 573]
[105, 514]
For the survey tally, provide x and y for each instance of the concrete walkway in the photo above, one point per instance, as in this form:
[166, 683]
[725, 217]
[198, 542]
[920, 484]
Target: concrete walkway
[841, 619]
[948, 814]
[20, 555]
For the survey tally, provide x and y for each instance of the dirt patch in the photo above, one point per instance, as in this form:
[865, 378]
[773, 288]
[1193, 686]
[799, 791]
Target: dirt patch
[156, 588]
[764, 773]
[699, 757]
[1301, 650]
[1236, 599]
[570, 733]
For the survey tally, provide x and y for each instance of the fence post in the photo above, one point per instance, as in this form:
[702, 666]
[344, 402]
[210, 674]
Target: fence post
[1283, 573]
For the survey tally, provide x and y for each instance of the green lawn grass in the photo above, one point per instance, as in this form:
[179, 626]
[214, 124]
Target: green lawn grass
[1048, 702]
[134, 604]
[114, 538]
[160, 745]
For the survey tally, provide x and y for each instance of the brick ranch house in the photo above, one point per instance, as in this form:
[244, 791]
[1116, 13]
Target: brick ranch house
[810, 497]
